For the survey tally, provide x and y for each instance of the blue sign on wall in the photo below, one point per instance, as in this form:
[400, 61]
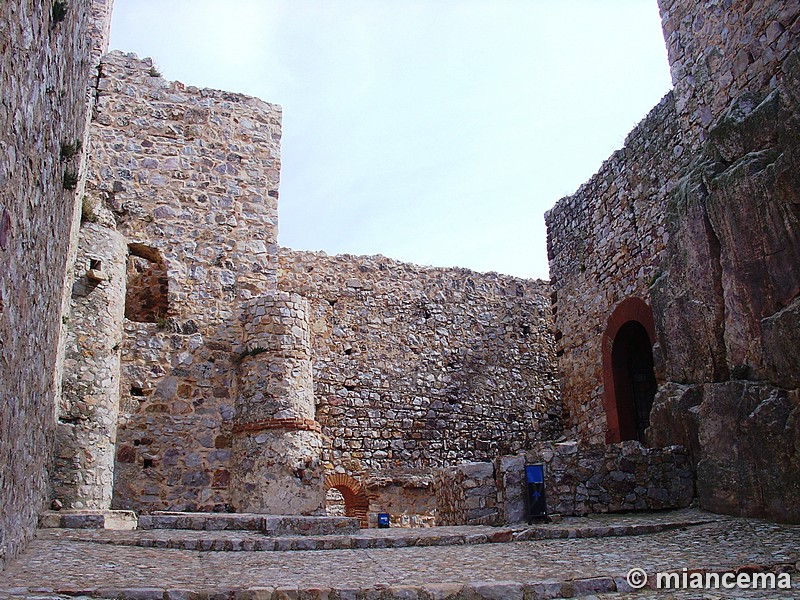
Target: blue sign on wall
[534, 473]
[537, 504]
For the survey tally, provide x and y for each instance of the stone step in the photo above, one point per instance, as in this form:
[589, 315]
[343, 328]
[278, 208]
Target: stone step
[273, 525]
[293, 538]
[118, 520]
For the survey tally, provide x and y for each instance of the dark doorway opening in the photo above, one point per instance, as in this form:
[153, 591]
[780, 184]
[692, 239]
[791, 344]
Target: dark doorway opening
[629, 382]
[634, 380]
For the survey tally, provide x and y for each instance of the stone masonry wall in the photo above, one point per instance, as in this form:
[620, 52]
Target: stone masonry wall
[604, 244]
[45, 71]
[190, 177]
[467, 494]
[83, 472]
[721, 49]
[721, 276]
[581, 480]
[417, 368]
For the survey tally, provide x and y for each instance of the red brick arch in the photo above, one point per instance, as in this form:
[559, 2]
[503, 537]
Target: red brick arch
[630, 310]
[356, 500]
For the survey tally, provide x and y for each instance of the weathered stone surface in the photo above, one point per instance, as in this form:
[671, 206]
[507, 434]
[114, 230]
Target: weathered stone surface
[688, 308]
[581, 480]
[511, 488]
[409, 499]
[720, 267]
[718, 51]
[83, 472]
[604, 244]
[117, 520]
[467, 494]
[45, 74]
[674, 418]
[416, 368]
[750, 464]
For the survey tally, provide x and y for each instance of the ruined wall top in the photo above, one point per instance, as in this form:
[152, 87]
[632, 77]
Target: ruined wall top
[192, 174]
[417, 367]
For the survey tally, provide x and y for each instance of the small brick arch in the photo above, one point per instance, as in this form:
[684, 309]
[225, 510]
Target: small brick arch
[631, 312]
[356, 500]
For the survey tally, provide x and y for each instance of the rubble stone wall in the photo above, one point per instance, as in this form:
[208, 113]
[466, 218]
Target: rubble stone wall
[604, 244]
[719, 272]
[46, 68]
[190, 178]
[581, 480]
[83, 472]
[466, 494]
[417, 368]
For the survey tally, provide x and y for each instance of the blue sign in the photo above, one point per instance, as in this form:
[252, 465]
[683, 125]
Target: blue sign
[534, 473]
[383, 520]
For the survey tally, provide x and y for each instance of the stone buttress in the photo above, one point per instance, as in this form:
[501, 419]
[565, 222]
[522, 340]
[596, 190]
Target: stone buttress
[83, 470]
[276, 443]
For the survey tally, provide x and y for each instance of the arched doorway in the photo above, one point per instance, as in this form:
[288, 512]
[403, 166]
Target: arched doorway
[628, 376]
[356, 501]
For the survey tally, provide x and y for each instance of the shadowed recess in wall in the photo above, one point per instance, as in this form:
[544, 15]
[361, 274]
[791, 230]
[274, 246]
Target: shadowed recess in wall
[146, 300]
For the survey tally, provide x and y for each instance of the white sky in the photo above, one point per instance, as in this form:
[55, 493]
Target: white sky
[431, 131]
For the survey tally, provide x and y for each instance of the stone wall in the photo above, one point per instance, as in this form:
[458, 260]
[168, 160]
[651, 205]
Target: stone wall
[190, 178]
[721, 49]
[581, 480]
[409, 500]
[604, 244]
[721, 277]
[417, 368]
[83, 472]
[466, 494]
[46, 64]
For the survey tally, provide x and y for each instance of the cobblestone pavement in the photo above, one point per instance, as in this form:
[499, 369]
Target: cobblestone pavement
[73, 563]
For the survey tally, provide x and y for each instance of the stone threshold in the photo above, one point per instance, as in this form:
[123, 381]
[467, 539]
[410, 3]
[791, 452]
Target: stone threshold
[115, 520]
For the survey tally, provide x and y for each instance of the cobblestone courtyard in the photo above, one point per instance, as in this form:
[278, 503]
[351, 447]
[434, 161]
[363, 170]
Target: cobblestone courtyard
[579, 557]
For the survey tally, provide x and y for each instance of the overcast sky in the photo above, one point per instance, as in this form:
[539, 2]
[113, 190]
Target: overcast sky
[432, 131]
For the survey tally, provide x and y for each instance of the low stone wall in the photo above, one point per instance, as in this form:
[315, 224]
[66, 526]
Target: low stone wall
[581, 480]
[410, 500]
[466, 494]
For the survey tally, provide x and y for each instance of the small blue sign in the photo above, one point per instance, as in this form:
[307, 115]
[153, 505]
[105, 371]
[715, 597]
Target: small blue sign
[383, 520]
[534, 473]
